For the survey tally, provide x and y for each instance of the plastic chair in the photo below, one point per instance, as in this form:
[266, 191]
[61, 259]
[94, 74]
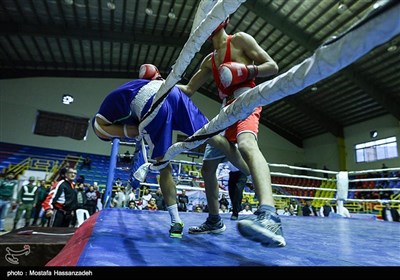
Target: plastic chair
[81, 216]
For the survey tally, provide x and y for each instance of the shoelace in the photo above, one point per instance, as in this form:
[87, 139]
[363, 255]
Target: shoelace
[267, 222]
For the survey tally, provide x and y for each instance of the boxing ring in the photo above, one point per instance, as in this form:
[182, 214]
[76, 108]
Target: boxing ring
[124, 237]
[138, 238]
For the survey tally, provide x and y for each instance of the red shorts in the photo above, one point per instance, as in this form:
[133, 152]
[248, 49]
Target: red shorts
[250, 124]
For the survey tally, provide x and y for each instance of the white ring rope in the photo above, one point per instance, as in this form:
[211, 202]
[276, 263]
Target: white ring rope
[323, 188]
[300, 176]
[375, 179]
[327, 60]
[325, 191]
[375, 170]
[202, 28]
[302, 188]
[302, 168]
[215, 14]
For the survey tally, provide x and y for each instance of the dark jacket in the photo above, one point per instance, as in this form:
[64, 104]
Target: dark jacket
[61, 196]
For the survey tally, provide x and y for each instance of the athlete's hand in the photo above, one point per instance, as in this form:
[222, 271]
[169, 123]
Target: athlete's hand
[233, 73]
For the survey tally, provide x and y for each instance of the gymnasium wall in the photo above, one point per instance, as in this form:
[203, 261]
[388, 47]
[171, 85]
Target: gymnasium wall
[21, 98]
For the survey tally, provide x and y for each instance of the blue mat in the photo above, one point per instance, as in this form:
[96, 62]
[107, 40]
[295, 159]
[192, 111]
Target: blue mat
[123, 237]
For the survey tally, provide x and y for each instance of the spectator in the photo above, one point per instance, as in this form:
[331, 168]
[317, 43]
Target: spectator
[224, 201]
[246, 210]
[309, 210]
[160, 200]
[183, 201]
[293, 208]
[390, 214]
[61, 201]
[8, 197]
[41, 195]
[25, 202]
[198, 209]
[286, 212]
[152, 206]
[132, 205]
[326, 209]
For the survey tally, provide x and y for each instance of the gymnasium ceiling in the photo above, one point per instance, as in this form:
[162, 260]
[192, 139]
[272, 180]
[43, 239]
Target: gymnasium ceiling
[87, 38]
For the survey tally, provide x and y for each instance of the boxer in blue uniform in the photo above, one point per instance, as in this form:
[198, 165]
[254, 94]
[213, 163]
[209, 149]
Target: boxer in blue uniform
[120, 114]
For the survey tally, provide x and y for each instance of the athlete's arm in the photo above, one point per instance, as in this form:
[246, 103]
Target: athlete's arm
[107, 130]
[199, 78]
[252, 50]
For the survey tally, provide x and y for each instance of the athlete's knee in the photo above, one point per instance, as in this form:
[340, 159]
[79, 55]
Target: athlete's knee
[207, 171]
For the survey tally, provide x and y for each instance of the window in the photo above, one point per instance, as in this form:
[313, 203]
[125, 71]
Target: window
[376, 150]
[54, 124]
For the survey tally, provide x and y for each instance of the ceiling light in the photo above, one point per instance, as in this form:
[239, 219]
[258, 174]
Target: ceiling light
[149, 9]
[171, 14]
[373, 134]
[67, 99]
[111, 5]
[68, 2]
[314, 88]
[341, 8]
[392, 48]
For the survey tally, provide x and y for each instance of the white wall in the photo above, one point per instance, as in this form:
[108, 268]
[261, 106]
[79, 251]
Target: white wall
[21, 98]
[386, 126]
[323, 149]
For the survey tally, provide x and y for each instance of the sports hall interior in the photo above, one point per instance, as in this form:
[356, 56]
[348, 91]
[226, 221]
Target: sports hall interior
[87, 50]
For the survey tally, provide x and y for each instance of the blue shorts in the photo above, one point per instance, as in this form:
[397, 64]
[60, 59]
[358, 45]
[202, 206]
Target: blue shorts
[212, 153]
[177, 112]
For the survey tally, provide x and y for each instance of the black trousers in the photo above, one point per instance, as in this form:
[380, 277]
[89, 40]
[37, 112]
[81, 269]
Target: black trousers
[236, 183]
[61, 218]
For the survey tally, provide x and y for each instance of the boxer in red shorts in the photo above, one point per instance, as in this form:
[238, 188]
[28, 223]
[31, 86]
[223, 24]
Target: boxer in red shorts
[235, 63]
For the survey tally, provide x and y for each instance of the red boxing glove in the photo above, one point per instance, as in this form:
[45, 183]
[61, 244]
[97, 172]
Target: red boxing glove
[233, 73]
[149, 72]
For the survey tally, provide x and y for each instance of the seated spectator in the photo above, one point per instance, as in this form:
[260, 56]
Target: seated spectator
[247, 210]
[246, 202]
[309, 210]
[293, 207]
[146, 198]
[224, 201]
[286, 212]
[223, 208]
[132, 205]
[152, 206]
[325, 210]
[198, 209]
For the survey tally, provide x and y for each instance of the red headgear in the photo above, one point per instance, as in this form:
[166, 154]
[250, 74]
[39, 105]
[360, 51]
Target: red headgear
[149, 72]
